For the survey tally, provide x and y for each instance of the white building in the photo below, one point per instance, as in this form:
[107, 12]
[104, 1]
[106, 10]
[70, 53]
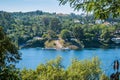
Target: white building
[116, 40]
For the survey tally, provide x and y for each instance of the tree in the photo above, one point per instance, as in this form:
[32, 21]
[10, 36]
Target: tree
[104, 77]
[65, 34]
[78, 32]
[46, 21]
[5, 20]
[8, 55]
[55, 25]
[54, 70]
[50, 35]
[101, 9]
[107, 33]
[84, 70]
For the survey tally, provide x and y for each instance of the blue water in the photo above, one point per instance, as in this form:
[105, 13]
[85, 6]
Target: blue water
[32, 57]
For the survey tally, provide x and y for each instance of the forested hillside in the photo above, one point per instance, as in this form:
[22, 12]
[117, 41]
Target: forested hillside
[38, 29]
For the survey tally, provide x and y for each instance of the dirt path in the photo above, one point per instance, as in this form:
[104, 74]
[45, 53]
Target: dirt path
[58, 44]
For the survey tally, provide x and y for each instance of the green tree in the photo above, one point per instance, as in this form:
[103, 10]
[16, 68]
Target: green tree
[46, 21]
[28, 74]
[55, 25]
[78, 32]
[65, 34]
[84, 70]
[50, 35]
[104, 77]
[78, 70]
[102, 9]
[52, 70]
[8, 54]
[107, 33]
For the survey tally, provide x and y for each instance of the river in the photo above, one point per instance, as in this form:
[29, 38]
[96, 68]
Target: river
[32, 57]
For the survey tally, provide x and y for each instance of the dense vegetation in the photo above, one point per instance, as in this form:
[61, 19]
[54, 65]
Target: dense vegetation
[33, 29]
[9, 55]
[37, 28]
[102, 9]
[78, 70]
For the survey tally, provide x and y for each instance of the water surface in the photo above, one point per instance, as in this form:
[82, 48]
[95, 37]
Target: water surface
[32, 57]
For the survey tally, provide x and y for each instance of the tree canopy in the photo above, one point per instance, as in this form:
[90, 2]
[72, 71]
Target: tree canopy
[65, 34]
[54, 70]
[23, 28]
[8, 55]
[102, 9]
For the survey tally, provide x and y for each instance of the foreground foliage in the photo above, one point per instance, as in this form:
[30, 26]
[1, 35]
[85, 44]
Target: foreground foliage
[8, 55]
[102, 9]
[53, 70]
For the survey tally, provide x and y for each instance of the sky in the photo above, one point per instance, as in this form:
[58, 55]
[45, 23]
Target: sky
[33, 5]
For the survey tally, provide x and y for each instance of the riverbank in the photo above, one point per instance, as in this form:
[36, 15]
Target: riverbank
[65, 45]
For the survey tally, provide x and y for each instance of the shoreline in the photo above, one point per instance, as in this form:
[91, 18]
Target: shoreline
[42, 48]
